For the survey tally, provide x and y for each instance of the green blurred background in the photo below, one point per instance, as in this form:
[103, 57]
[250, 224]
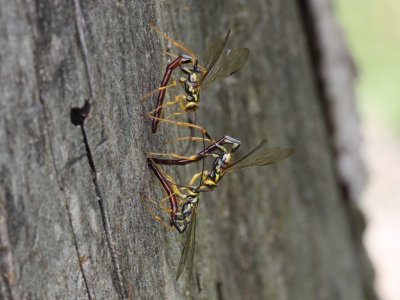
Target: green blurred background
[372, 29]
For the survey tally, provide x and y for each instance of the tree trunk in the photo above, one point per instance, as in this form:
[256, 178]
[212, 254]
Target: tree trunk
[72, 223]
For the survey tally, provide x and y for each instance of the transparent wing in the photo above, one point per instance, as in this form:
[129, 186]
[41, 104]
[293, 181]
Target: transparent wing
[261, 155]
[213, 54]
[188, 249]
[229, 62]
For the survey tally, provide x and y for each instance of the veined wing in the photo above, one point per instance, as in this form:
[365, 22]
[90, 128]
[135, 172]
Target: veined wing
[213, 54]
[229, 62]
[261, 155]
[188, 249]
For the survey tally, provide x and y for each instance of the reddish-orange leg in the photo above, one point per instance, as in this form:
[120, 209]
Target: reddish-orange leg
[177, 62]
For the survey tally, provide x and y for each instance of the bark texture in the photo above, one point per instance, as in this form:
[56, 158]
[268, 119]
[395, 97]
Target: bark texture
[72, 225]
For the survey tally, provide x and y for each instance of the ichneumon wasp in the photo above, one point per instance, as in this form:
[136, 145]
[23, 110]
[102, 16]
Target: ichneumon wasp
[185, 214]
[261, 155]
[184, 203]
[219, 63]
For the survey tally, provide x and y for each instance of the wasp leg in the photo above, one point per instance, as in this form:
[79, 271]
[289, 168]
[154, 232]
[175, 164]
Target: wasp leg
[175, 157]
[153, 214]
[183, 124]
[172, 41]
[188, 138]
[173, 84]
[168, 103]
[161, 94]
[207, 151]
[175, 114]
[167, 187]
[182, 59]
[195, 176]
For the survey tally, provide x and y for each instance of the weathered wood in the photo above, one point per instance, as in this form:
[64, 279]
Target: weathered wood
[269, 233]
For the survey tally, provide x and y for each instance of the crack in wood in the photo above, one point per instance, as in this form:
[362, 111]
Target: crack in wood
[61, 188]
[78, 117]
[75, 160]
[83, 114]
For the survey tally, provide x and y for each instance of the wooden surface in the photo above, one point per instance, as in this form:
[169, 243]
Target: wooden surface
[66, 232]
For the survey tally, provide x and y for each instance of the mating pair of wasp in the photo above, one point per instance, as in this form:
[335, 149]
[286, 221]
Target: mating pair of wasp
[183, 200]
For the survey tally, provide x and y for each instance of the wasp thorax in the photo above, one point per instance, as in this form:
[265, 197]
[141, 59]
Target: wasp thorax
[193, 78]
[191, 195]
[227, 158]
[187, 209]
